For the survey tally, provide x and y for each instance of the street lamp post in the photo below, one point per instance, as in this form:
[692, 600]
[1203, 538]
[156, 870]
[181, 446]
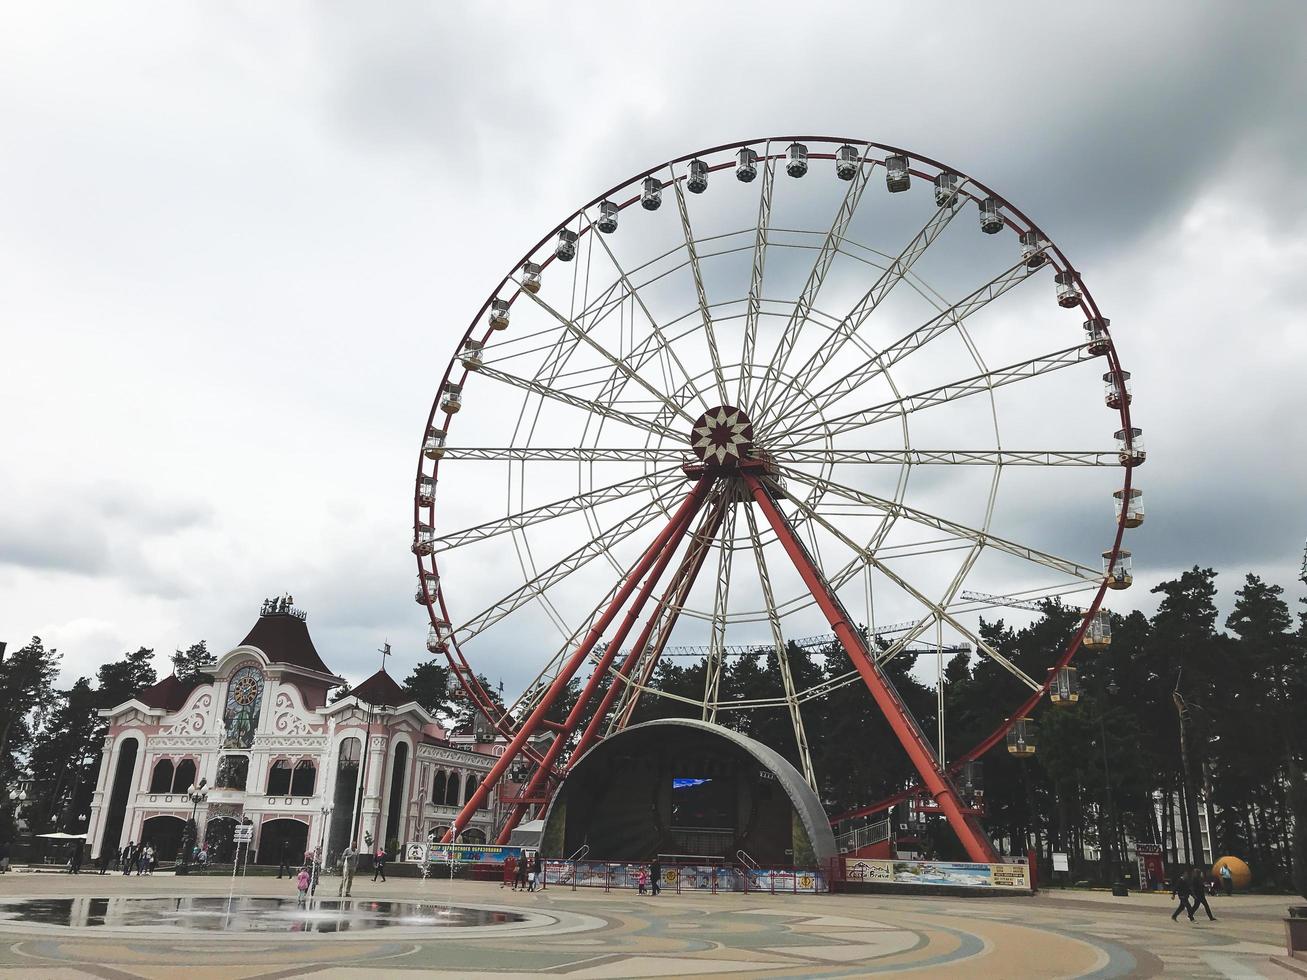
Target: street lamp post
[320, 855]
[197, 794]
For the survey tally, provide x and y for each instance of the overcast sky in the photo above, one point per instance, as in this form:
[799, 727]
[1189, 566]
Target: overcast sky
[239, 243]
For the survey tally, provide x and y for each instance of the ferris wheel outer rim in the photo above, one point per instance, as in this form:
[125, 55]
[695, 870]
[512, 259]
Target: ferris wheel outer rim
[1087, 304]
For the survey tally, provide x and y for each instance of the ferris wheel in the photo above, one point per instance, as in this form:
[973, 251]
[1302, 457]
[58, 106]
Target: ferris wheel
[770, 389]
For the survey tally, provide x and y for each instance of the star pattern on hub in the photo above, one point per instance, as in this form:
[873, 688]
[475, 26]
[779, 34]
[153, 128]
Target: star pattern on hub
[721, 433]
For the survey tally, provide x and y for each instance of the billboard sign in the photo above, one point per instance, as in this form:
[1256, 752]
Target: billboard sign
[935, 873]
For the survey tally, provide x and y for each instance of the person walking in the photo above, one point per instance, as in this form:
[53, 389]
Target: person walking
[641, 880]
[283, 867]
[656, 875]
[347, 860]
[1180, 890]
[302, 883]
[1199, 892]
[510, 872]
[380, 865]
[75, 865]
[538, 866]
[4, 857]
[531, 879]
[1227, 880]
[519, 880]
[104, 860]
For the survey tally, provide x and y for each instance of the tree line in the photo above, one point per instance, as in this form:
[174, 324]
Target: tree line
[1180, 708]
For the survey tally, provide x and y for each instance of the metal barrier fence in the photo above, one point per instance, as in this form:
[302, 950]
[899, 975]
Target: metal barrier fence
[681, 877]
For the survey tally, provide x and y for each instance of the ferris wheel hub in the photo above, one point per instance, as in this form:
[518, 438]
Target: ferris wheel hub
[722, 436]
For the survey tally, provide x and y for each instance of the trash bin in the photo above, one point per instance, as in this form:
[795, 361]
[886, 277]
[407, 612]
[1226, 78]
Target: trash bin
[1295, 929]
[1120, 890]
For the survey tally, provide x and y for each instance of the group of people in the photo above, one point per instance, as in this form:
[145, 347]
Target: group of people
[1190, 888]
[137, 857]
[650, 878]
[524, 874]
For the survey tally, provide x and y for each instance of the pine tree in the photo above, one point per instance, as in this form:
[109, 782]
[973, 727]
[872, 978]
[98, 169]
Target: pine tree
[26, 692]
[189, 664]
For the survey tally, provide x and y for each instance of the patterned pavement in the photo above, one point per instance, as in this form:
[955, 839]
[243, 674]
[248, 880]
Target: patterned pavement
[590, 934]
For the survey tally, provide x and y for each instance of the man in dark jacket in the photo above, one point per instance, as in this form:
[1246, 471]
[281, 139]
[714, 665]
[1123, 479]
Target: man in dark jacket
[1180, 890]
[1198, 891]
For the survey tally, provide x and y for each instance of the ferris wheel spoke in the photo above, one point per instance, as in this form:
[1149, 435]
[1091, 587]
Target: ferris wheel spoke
[949, 319]
[974, 385]
[617, 363]
[954, 457]
[865, 307]
[560, 570]
[782, 652]
[580, 454]
[710, 335]
[559, 508]
[821, 265]
[712, 675]
[1062, 565]
[585, 404]
[757, 270]
[937, 611]
[657, 342]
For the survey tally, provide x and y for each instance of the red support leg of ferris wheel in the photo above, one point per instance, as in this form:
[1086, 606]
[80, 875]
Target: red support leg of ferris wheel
[671, 601]
[535, 722]
[569, 725]
[973, 837]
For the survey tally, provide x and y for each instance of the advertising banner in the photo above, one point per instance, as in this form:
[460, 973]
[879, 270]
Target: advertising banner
[957, 873]
[471, 853]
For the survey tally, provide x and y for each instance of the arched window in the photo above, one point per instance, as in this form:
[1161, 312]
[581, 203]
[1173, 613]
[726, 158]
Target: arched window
[304, 778]
[451, 789]
[470, 788]
[279, 778]
[161, 778]
[184, 777]
[438, 787]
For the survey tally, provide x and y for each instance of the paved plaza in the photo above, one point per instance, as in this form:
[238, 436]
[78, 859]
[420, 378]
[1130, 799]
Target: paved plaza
[587, 933]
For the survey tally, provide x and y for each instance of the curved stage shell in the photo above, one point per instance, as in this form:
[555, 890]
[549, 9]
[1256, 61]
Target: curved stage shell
[682, 787]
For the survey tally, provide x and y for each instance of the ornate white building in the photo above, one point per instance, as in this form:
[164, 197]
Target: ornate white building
[273, 752]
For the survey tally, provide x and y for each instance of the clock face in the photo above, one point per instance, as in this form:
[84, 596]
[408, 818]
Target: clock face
[245, 686]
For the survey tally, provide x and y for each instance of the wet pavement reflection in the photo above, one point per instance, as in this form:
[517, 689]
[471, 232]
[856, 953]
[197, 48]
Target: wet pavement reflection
[246, 914]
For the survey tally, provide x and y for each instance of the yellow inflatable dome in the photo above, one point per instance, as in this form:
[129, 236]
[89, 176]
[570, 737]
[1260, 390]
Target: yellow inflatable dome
[1239, 871]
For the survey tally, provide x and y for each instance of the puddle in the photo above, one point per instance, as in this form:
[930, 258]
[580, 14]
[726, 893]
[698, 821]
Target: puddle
[246, 914]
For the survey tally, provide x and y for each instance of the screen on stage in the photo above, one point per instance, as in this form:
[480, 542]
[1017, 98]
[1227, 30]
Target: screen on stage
[700, 801]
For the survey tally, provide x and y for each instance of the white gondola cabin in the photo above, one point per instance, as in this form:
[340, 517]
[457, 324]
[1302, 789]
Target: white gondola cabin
[1130, 507]
[423, 539]
[946, 190]
[607, 222]
[1096, 339]
[651, 196]
[451, 398]
[697, 182]
[531, 277]
[438, 636]
[1130, 446]
[470, 355]
[433, 447]
[1021, 738]
[566, 247]
[1099, 634]
[971, 781]
[1065, 688]
[428, 587]
[897, 177]
[847, 162]
[1116, 392]
[1034, 249]
[796, 160]
[426, 490]
[1068, 290]
[1118, 572]
[991, 216]
[499, 314]
[746, 164]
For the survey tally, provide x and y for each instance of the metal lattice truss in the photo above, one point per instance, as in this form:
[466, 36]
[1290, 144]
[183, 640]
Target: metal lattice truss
[847, 329]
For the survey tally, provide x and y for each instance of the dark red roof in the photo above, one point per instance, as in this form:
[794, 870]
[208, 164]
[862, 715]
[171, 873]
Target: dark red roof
[285, 639]
[381, 688]
[169, 694]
